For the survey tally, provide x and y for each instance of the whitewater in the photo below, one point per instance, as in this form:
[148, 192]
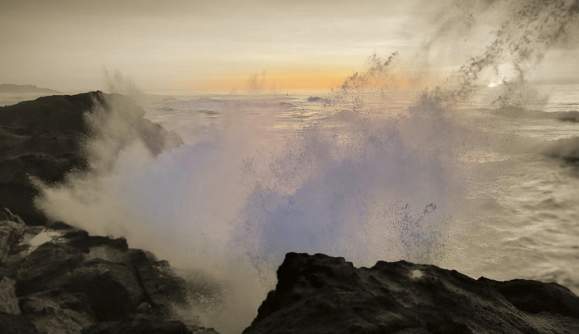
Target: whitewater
[475, 172]
[473, 189]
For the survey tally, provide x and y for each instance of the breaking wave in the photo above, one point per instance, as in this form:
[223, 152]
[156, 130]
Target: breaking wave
[354, 182]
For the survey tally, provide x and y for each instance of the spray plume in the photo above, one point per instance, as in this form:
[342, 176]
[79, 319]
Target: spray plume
[230, 203]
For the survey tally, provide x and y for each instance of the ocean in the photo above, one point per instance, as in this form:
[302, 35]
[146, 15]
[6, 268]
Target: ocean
[519, 212]
[486, 189]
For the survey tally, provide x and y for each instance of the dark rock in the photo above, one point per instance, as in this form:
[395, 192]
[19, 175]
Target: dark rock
[315, 99]
[322, 294]
[72, 280]
[45, 264]
[16, 324]
[568, 116]
[139, 327]
[10, 235]
[57, 312]
[44, 138]
[537, 297]
[82, 240]
[57, 279]
[162, 287]
[8, 300]
[566, 150]
[111, 290]
[146, 326]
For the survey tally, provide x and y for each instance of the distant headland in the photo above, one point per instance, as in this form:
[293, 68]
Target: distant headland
[13, 88]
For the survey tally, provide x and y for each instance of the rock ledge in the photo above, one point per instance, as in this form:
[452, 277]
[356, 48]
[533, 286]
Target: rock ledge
[322, 294]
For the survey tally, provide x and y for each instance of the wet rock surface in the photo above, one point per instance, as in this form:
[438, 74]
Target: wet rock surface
[16, 324]
[145, 326]
[74, 283]
[322, 294]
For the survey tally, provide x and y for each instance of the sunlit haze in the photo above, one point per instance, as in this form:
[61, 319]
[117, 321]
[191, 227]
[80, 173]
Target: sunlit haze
[183, 47]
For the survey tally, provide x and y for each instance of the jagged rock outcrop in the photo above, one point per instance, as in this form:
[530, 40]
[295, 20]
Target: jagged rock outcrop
[16, 324]
[56, 279]
[64, 281]
[44, 138]
[8, 300]
[321, 294]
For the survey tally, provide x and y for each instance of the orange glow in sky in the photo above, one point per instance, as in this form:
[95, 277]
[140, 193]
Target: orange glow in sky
[276, 81]
[301, 80]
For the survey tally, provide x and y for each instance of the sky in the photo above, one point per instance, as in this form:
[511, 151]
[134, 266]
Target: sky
[201, 45]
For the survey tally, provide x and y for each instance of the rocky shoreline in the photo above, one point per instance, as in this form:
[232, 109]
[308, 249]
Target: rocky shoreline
[61, 280]
[55, 278]
[45, 139]
[323, 294]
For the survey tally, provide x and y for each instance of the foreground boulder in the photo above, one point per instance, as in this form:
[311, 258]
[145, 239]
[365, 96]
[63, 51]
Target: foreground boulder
[15, 324]
[45, 138]
[61, 280]
[145, 326]
[322, 294]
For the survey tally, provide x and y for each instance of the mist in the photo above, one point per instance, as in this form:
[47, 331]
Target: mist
[229, 204]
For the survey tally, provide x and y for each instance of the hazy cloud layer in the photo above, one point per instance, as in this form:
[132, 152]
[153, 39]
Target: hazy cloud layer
[182, 45]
